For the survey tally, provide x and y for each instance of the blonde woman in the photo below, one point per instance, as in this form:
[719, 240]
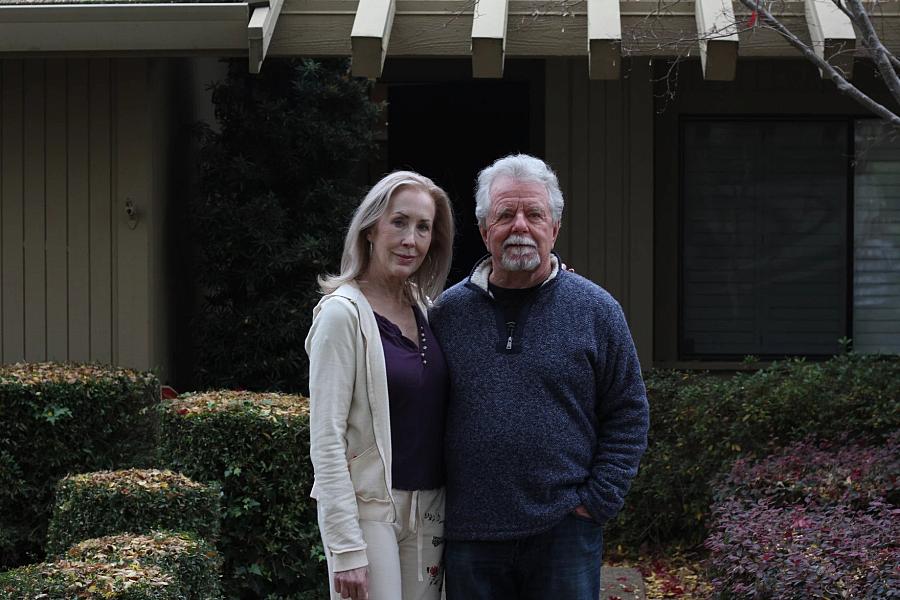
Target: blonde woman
[378, 387]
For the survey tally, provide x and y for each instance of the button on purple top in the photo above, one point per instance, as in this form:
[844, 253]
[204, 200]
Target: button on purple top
[417, 389]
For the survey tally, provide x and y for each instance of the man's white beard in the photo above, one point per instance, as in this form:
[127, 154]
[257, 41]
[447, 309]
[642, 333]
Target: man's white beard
[526, 261]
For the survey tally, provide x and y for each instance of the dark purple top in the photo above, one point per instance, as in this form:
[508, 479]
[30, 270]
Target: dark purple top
[417, 390]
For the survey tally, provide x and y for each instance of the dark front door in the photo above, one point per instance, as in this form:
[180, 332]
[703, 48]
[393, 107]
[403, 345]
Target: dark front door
[450, 130]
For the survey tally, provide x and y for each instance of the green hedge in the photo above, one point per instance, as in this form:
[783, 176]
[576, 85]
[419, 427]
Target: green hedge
[257, 445]
[90, 505]
[64, 418]
[702, 422]
[192, 560]
[66, 580]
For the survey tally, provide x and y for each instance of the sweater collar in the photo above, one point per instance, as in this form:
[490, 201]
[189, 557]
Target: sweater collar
[482, 272]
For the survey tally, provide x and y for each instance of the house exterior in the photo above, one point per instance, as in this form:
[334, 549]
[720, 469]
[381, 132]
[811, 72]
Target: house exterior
[732, 200]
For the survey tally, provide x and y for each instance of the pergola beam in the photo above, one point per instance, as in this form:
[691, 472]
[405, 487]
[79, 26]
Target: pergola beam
[604, 39]
[370, 36]
[718, 39]
[259, 33]
[489, 37]
[832, 34]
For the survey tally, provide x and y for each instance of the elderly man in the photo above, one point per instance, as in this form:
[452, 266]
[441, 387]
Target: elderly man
[548, 416]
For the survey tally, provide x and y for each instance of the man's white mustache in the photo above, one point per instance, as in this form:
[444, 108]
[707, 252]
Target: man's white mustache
[519, 240]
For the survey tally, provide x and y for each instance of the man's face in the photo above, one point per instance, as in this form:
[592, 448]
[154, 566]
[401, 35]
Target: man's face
[519, 231]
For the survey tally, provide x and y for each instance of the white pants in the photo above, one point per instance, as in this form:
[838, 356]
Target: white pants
[406, 557]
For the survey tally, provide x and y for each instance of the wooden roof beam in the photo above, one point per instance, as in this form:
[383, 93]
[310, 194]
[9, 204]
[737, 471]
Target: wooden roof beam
[717, 34]
[604, 39]
[489, 37]
[832, 34]
[259, 33]
[370, 36]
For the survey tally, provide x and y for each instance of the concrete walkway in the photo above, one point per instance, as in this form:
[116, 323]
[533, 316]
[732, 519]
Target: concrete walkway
[621, 583]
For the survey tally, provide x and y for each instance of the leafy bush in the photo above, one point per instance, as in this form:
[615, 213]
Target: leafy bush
[65, 580]
[818, 474]
[91, 505]
[257, 445]
[275, 195]
[791, 527]
[64, 418]
[193, 561]
[701, 423]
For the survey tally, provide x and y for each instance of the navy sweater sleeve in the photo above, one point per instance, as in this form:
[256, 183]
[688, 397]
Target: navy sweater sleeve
[623, 419]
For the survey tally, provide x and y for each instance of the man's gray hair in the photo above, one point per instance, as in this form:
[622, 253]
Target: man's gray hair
[520, 167]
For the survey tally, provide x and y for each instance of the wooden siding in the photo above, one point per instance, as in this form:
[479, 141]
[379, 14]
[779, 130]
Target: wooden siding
[77, 140]
[599, 136]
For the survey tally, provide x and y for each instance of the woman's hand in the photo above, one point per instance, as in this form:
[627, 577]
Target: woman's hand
[352, 584]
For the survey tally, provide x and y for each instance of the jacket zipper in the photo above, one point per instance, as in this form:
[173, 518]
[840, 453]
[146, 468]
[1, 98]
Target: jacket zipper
[510, 327]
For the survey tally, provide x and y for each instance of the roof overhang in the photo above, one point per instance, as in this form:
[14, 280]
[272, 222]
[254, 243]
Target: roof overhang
[570, 28]
[173, 27]
[221, 28]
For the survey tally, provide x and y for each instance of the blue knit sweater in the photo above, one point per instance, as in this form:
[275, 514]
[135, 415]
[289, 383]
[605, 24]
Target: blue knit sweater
[534, 428]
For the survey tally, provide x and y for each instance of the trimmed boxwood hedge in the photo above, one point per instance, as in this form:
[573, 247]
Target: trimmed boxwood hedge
[64, 418]
[701, 422]
[90, 505]
[65, 580]
[257, 445]
[192, 560]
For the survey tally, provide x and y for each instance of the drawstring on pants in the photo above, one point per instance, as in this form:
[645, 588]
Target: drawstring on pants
[413, 526]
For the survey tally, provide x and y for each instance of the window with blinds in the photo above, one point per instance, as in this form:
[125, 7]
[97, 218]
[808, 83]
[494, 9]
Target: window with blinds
[876, 254]
[764, 233]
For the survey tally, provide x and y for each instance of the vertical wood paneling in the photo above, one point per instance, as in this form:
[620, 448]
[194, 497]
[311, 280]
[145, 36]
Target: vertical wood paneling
[608, 225]
[11, 213]
[57, 227]
[35, 258]
[100, 250]
[640, 208]
[557, 138]
[79, 224]
[579, 151]
[596, 174]
[615, 195]
[132, 181]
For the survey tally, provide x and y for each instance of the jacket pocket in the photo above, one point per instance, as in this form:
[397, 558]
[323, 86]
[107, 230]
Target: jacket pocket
[367, 475]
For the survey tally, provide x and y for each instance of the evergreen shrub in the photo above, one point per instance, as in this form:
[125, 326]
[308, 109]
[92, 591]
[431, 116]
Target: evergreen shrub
[64, 418]
[701, 423]
[277, 188]
[193, 561]
[91, 505]
[257, 445]
[67, 580]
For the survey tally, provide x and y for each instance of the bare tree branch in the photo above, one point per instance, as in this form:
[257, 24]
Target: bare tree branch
[878, 52]
[842, 84]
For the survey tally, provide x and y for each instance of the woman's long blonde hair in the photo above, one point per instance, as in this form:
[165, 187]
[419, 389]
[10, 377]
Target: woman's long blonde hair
[428, 280]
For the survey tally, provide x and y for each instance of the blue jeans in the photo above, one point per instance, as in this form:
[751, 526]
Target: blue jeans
[560, 564]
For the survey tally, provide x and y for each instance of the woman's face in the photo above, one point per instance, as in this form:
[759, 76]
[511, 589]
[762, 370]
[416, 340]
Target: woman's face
[401, 237]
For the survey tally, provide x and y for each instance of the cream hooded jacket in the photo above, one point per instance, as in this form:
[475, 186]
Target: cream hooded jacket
[350, 431]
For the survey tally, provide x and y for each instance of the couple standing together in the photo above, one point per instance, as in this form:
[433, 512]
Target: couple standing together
[518, 394]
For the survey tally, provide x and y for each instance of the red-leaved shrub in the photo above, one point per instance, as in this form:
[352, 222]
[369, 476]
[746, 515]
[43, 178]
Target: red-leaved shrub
[812, 521]
[823, 473]
[797, 553]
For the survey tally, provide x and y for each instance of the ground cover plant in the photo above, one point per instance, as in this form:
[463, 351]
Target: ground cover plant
[90, 505]
[193, 561]
[812, 521]
[257, 445]
[701, 423]
[57, 419]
